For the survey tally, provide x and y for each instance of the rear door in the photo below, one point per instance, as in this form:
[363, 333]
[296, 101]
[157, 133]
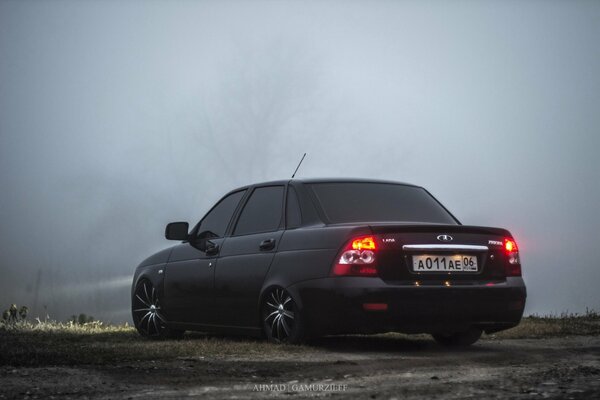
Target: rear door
[189, 276]
[247, 255]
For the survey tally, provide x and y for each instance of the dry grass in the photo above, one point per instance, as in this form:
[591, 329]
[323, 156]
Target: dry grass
[536, 326]
[54, 343]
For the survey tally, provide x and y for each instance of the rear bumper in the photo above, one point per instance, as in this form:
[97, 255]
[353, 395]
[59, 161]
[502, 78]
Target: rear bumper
[336, 305]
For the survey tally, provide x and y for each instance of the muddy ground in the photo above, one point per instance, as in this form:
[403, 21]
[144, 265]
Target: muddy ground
[367, 367]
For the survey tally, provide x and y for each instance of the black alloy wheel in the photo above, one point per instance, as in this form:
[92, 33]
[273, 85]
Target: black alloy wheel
[282, 322]
[147, 313]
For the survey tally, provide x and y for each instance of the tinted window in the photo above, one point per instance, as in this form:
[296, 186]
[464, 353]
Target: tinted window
[362, 202]
[262, 212]
[218, 218]
[293, 215]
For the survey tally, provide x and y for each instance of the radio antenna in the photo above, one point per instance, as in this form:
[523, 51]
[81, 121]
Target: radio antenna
[302, 159]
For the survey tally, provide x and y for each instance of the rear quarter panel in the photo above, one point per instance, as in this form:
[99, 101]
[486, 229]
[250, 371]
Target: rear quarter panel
[308, 253]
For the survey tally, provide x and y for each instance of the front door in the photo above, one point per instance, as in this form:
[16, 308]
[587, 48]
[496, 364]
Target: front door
[190, 273]
[189, 284]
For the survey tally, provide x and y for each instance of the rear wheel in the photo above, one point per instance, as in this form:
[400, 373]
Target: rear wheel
[281, 318]
[148, 317]
[458, 339]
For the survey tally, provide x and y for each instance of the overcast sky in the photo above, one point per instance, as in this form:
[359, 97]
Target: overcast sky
[118, 117]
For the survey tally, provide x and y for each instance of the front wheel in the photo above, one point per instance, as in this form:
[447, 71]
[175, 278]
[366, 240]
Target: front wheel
[458, 339]
[281, 319]
[148, 317]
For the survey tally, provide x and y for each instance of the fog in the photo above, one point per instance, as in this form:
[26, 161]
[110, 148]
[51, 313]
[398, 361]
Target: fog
[118, 117]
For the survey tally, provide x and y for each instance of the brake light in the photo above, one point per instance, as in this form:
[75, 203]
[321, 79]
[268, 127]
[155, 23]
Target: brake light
[357, 258]
[510, 245]
[513, 264]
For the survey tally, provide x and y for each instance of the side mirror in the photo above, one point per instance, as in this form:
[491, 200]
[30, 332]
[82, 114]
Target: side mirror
[177, 231]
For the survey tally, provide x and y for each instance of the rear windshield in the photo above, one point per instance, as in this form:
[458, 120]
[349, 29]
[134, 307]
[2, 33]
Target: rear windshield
[377, 202]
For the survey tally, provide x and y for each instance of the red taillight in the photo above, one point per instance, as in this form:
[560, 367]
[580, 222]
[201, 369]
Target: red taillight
[513, 263]
[510, 246]
[375, 306]
[357, 258]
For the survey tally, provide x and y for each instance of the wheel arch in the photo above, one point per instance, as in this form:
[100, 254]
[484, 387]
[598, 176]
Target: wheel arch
[152, 273]
[266, 289]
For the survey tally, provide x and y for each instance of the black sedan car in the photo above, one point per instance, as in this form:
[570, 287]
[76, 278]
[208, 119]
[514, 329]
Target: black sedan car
[296, 259]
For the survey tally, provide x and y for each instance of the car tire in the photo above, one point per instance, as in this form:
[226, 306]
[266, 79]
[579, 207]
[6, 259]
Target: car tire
[458, 339]
[281, 318]
[148, 317]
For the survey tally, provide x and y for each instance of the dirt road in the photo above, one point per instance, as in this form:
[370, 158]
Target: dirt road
[362, 367]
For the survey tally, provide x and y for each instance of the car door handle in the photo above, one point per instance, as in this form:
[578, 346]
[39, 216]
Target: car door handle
[267, 244]
[212, 249]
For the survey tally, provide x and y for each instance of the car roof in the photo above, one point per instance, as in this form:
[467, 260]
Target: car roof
[323, 180]
[350, 180]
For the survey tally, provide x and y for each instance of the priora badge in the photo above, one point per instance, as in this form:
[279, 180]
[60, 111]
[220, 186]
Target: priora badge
[445, 238]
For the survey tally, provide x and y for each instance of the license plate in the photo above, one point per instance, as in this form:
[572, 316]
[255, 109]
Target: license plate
[438, 263]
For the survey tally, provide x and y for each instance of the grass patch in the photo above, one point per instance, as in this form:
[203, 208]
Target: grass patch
[536, 326]
[55, 343]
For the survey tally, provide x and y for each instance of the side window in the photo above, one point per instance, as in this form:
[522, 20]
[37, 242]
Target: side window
[217, 219]
[262, 212]
[293, 213]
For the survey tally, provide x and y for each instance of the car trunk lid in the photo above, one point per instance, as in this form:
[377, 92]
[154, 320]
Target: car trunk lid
[421, 254]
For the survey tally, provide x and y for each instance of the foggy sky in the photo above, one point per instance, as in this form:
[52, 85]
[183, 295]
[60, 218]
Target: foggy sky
[118, 117]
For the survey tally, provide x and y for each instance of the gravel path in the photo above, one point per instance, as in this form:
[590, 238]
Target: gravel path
[357, 367]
